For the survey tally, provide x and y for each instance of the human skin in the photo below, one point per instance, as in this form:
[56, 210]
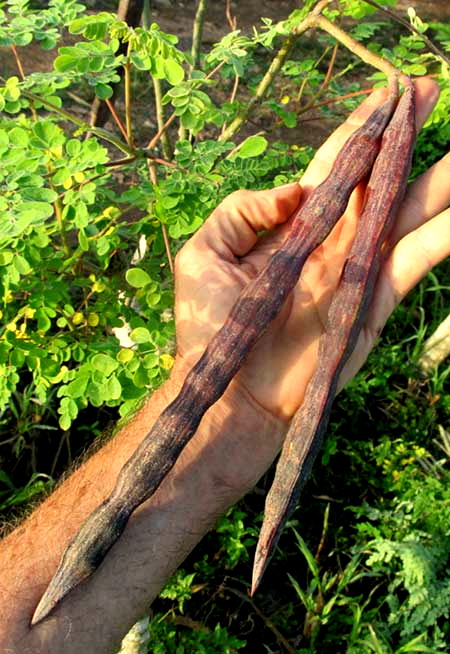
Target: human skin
[241, 434]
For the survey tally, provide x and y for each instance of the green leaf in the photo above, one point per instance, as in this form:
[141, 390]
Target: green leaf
[83, 240]
[43, 321]
[125, 355]
[34, 211]
[104, 363]
[4, 137]
[137, 277]
[252, 147]
[114, 388]
[140, 335]
[77, 387]
[69, 411]
[21, 265]
[6, 257]
[63, 63]
[174, 73]
[103, 91]
[40, 194]
[19, 137]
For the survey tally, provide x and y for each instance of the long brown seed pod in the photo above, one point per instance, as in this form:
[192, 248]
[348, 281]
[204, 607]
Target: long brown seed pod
[255, 308]
[345, 319]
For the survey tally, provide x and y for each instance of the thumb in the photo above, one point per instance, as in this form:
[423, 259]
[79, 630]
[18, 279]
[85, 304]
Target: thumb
[232, 229]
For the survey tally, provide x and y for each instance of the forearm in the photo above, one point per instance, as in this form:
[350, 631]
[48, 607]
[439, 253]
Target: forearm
[210, 475]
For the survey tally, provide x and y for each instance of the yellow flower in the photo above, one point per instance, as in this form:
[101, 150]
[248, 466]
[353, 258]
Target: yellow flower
[166, 361]
[77, 318]
[93, 319]
[29, 312]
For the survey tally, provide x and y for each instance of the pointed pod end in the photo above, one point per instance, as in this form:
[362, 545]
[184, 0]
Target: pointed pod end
[43, 609]
[259, 567]
[268, 539]
[65, 579]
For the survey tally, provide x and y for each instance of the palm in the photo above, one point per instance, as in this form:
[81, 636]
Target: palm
[226, 254]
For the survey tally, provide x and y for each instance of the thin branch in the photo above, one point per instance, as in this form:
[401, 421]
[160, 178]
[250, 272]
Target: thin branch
[197, 32]
[232, 20]
[282, 640]
[160, 118]
[434, 48]
[22, 77]
[326, 81]
[97, 131]
[127, 85]
[154, 181]
[18, 62]
[272, 71]
[115, 115]
[162, 123]
[154, 140]
[266, 81]
[349, 42]
[309, 105]
[354, 94]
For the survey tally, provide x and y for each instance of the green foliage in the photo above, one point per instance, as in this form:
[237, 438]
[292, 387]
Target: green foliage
[412, 549]
[167, 637]
[236, 539]
[179, 588]
[21, 24]
[87, 329]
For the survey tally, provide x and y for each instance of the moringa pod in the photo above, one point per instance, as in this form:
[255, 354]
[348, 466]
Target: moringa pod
[346, 315]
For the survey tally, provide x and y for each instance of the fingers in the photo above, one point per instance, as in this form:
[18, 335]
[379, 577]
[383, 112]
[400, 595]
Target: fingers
[232, 229]
[423, 241]
[417, 253]
[427, 196]
[427, 93]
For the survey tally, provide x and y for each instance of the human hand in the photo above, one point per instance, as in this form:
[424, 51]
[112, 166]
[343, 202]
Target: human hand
[226, 253]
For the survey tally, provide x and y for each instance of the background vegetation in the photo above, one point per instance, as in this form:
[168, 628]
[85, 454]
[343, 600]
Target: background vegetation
[93, 207]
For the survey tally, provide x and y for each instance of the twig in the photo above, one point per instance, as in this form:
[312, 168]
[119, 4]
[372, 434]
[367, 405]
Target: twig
[154, 140]
[349, 42]
[309, 105]
[197, 32]
[158, 95]
[232, 20]
[22, 77]
[154, 180]
[160, 119]
[434, 48]
[127, 85]
[115, 115]
[18, 62]
[268, 78]
[339, 98]
[282, 640]
[97, 131]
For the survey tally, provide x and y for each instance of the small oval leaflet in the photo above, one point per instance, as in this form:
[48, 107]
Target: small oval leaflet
[137, 277]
